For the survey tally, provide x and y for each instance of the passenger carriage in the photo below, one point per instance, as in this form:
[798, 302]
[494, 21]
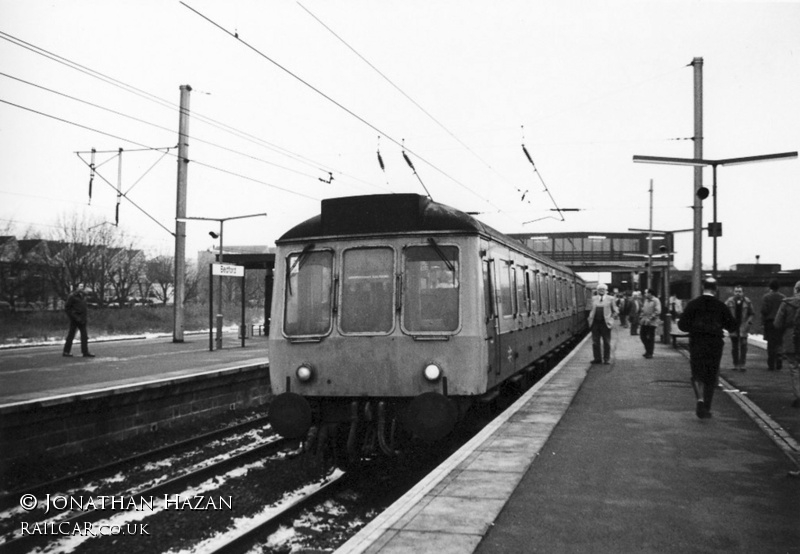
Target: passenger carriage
[392, 314]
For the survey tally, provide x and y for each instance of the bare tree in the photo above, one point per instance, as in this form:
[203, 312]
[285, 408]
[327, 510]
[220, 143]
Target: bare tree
[160, 273]
[104, 240]
[128, 266]
[71, 255]
[192, 284]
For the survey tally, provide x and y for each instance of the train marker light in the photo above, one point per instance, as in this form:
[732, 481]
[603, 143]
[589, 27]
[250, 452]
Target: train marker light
[432, 372]
[304, 373]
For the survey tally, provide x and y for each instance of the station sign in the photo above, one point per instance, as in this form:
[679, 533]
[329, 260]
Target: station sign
[227, 270]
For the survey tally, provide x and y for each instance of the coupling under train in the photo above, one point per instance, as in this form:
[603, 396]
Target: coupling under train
[393, 314]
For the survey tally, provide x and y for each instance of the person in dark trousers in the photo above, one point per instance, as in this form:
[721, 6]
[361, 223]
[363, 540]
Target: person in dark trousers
[623, 305]
[633, 312]
[742, 309]
[788, 319]
[77, 312]
[601, 319]
[704, 319]
[774, 337]
[648, 319]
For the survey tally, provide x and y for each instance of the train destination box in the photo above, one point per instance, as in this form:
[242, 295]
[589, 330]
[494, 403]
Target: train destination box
[227, 270]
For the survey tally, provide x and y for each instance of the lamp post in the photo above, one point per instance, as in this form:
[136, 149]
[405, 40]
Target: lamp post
[714, 229]
[221, 221]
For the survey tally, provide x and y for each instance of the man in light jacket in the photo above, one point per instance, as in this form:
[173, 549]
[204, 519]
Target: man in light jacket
[649, 318]
[601, 319]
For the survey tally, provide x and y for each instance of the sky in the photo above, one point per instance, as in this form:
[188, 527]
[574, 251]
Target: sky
[287, 94]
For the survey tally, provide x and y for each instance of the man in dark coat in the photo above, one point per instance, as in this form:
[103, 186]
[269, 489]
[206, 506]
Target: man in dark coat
[788, 319]
[774, 337]
[704, 319]
[77, 312]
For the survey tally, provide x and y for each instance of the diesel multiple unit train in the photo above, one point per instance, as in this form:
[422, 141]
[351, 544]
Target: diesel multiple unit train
[393, 314]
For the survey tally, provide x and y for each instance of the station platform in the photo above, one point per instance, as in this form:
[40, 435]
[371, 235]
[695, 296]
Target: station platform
[39, 372]
[611, 459]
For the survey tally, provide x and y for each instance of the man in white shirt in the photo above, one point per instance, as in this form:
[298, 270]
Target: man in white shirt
[601, 319]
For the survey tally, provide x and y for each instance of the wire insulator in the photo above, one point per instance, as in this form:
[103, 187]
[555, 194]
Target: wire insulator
[408, 161]
[528, 155]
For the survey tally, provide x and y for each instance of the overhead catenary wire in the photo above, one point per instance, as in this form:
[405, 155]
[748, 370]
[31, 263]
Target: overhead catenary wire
[131, 141]
[411, 165]
[546, 189]
[402, 92]
[134, 204]
[155, 125]
[196, 162]
[171, 105]
[341, 106]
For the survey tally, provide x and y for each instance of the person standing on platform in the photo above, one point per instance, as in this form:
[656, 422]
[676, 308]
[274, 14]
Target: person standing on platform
[675, 307]
[705, 318]
[788, 318]
[742, 310]
[774, 337]
[633, 312]
[622, 308]
[77, 312]
[601, 319]
[648, 319]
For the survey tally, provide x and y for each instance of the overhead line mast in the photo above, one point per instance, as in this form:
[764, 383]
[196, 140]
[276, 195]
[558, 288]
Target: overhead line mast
[180, 214]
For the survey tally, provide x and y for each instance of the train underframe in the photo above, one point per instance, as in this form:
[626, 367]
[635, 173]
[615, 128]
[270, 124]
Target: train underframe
[344, 431]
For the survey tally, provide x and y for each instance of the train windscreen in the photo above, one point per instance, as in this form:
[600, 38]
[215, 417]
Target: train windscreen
[308, 293]
[367, 304]
[431, 289]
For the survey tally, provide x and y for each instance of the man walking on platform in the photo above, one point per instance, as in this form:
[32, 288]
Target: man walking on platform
[774, 337]
[788, 318]
[648, 318]
[601, 319]
[77, 312]
[623, 307]
[742, 310]
[633, 312]
[704, 319]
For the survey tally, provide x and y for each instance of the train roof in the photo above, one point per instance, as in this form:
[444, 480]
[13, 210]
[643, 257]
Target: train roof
[382, 214]
[386, 214]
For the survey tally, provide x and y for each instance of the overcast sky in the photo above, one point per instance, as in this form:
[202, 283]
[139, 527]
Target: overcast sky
[314, 87]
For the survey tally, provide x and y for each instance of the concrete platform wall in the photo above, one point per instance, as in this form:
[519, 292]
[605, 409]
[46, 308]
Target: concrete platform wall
[70, 424]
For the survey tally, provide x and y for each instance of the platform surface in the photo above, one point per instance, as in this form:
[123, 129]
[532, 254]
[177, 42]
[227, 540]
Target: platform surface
[39, 372]
[610, 459]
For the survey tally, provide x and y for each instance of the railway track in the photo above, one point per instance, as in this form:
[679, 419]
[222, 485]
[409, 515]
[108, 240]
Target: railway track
[260, 497]
[9, 499]
[84, 498]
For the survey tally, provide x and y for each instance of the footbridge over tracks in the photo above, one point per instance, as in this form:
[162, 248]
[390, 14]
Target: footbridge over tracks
[625, 255]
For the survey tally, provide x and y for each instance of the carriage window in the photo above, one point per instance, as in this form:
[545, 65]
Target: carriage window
[308, 293]
[545, 293]
[488, 286]
[529, 293]
[522, 300]
[559, 295]
[506, 307]
[367, 304]
[431, 289]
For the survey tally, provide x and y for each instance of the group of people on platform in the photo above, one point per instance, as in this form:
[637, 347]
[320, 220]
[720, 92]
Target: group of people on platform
[706, 319]
[642, 313]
